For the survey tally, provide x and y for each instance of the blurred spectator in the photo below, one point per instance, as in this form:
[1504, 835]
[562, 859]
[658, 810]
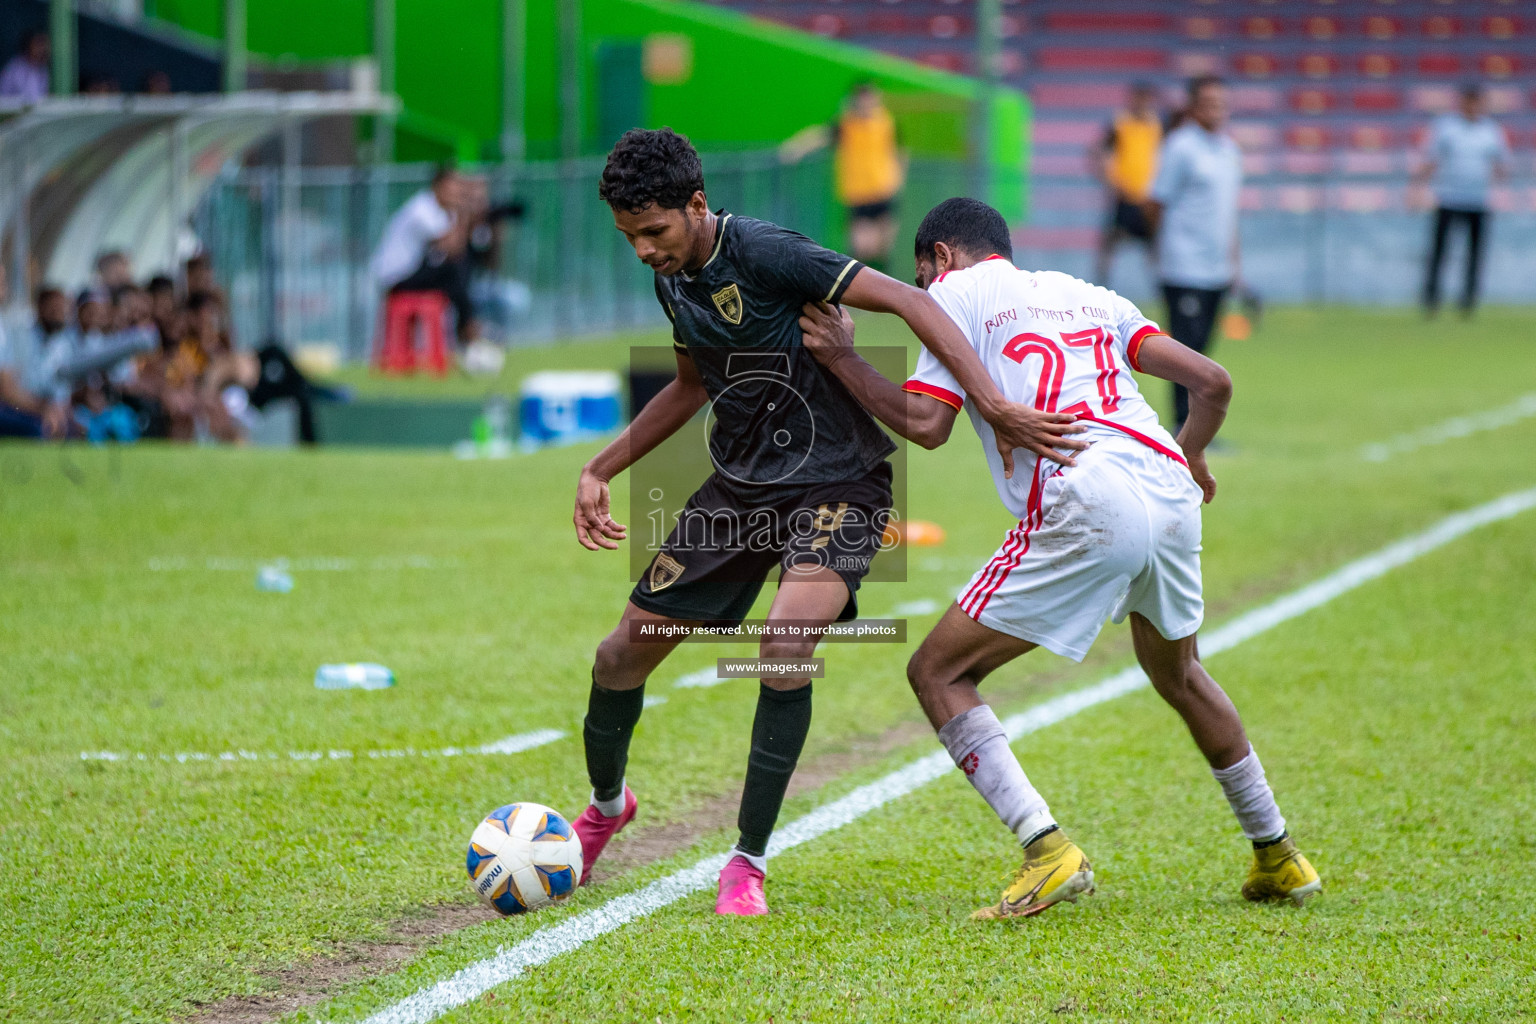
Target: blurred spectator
[424, 247]
[24, 413]
[498, 299]
[1466, 153]
[1126, 161]
[163, 309]
[870, 170]
[197, 275]
[25, 76]
[1193, 209]
[113, 271]
[97, 84]
[156, 83]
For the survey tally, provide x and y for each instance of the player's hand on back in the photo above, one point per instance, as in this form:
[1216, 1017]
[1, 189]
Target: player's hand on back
[1024, 426]
[826, 331]
[1202, 474]
[595, 528]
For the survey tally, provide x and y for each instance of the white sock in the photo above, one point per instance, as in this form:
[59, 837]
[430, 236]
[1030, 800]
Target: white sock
[610, 808]
[976, 741]
[761, 863]
[1251, 798]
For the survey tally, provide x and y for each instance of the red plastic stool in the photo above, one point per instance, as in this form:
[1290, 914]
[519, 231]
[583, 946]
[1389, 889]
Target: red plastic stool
[402, 313]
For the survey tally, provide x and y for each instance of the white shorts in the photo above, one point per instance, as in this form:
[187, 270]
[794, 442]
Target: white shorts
[1117, 533]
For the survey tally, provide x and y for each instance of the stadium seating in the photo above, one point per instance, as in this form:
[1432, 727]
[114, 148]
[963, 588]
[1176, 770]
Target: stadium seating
[1329, 97]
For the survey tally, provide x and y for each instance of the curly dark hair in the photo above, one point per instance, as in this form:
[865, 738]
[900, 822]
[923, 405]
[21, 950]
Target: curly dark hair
[969, 225]
[651, 167]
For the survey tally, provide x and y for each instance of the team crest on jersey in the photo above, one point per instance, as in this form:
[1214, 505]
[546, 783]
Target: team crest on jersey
[666, 570]
[728, 302]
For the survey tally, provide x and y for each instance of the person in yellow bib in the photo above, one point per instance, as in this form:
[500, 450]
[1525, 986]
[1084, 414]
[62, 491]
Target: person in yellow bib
[1126, 161]
[869, 169]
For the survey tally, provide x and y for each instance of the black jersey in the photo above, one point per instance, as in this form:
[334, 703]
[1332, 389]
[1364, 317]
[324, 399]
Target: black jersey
[780, 419]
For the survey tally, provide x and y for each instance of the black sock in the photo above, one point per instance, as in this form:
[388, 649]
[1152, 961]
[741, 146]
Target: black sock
[1266, 843]
[778, 734]
[610, 722]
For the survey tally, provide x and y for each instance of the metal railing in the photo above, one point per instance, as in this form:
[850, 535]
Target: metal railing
[293, 245]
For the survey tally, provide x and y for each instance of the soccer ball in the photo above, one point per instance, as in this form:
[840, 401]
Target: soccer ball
[523, 857]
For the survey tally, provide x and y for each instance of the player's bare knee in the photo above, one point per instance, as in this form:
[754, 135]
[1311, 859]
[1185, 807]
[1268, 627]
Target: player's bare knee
[928, 674]
[612, 667]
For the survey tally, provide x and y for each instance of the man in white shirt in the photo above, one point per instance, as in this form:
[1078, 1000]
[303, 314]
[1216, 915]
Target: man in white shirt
[1466, 153]
[1111, 528]
[25, 76]
[1194, 211]
[423, 248]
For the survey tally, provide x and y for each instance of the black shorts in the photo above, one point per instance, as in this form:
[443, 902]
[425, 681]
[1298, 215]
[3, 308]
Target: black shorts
[872, 211]
[714, 562]
[1130, 219]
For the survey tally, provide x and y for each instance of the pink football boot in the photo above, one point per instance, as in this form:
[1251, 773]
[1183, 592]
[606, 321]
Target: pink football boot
[595, 829]
[741, 890]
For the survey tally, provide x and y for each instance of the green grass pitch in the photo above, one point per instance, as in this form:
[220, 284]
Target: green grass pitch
[1395, 724]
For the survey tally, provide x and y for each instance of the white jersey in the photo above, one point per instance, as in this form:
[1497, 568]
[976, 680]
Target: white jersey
[1051, 341]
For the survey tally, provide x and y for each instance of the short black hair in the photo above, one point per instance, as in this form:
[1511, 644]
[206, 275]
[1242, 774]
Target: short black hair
[651, 167]
[46, 292]
[198, 301]
[1471, 90]
[968, 225]
[443, 171]
[1194, 85]
[160, 283]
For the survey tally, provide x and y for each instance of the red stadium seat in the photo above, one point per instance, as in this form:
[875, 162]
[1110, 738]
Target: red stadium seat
[1321, 27]
[948, 26]
[1010, 62]
[1098, 58]
[1377, 100]
[1203, 28]
[1439, 64]
[1372, 137]
[1314, 101]
[1440, 26]
[1499, 65]
[1378, 65]
[1106, 21]
[1261, 27]
[1382, 27]
[1256, 65]
[830, 25]
[1093, 95]
[944, 60]
[1502, 26]
[1308, 137]
[1318, 65]
[1254, 99]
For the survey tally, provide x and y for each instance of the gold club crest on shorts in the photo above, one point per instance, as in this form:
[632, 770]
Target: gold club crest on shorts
[665, 571]
[728, 302]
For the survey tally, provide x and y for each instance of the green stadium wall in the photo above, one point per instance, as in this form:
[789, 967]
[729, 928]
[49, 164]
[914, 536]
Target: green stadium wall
[751, 84]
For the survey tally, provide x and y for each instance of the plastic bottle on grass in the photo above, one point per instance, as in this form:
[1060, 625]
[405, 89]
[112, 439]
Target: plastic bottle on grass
[355, 676]
[274, 579]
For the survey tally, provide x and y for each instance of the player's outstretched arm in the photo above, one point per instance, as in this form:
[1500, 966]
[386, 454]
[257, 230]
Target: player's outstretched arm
[1016, 425]
[1210, 392]
[827, 331]
[662, 417]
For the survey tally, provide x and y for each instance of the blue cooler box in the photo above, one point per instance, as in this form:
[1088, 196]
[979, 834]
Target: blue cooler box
[558, 407]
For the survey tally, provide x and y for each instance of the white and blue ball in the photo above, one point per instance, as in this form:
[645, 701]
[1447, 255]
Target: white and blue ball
[523, 857]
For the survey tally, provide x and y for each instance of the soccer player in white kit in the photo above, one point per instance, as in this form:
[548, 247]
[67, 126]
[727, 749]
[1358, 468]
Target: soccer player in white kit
[1112, 529]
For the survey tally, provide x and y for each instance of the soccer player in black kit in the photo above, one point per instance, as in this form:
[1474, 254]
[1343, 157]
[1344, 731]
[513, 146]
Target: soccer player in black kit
[801, 480]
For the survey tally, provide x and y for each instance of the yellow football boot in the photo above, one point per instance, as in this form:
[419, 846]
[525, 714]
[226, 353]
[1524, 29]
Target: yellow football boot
[1054, 869]
[1280, 872]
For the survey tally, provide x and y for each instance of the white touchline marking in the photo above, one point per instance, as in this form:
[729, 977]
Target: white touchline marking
[1521, 408]
[704, 677]
[509, 745]
[652, 700]
[544, 945]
